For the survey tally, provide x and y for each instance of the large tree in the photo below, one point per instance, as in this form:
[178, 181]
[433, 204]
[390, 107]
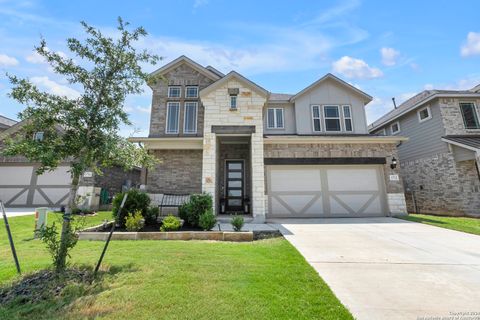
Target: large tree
[83, 131]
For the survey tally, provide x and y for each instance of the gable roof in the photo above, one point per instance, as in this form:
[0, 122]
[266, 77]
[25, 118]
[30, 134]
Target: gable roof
[184, 59]
[6, 122]
[238, 76]
[417, 101]
[330, 76]
[476, 88]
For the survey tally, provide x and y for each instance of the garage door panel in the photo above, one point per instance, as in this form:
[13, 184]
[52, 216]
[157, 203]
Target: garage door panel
[352, 179]
[56, 194]
[7, 194]
[59, 176]
[296, 180]
[15, 175]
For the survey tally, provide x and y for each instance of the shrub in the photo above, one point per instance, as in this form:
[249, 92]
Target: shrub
[237, 223]
[170, 223]
[197, 205]
[135, 221]
[207, 220]
[152, 216]
[136, 200]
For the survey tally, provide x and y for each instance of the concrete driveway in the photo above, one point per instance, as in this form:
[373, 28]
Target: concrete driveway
[386, 268]
[16, 212]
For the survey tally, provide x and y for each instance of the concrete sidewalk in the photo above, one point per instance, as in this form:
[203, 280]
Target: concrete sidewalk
[386, 268]
[16, 212]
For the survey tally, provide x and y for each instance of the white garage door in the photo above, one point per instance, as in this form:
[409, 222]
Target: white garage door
[21, 187]
[325, 191]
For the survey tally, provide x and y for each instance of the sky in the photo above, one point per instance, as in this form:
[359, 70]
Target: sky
[385, 48]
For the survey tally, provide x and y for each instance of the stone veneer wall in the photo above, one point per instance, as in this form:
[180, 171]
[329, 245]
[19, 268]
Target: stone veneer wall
[452, 116]
[394, 189]
[179, 171]
[249, 112]
[443, 186]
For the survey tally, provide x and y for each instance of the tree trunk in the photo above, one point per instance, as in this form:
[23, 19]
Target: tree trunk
[61, 262]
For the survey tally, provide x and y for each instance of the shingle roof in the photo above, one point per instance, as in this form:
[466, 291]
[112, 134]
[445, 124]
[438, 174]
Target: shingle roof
[472, 141]
[280, 96]
[7, 122]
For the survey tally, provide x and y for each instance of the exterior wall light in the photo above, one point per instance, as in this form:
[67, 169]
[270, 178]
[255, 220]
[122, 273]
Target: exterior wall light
[393, 165]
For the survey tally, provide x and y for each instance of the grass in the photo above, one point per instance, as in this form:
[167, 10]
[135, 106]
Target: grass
[265, 279]
[469, 225]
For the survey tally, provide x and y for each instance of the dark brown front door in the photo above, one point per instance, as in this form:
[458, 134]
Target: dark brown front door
[235, 185]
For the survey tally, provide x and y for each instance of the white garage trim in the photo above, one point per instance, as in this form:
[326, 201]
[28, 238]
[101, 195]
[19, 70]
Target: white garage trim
[307, 191]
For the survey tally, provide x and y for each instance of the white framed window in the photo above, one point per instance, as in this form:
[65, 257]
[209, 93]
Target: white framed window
[275, 118]
[347, 118]
[190, 117]
[316, 120]
[424, 114]
[332, 118]
[470, 115]
[38, 136]
[174, 92]
[191, 92]
[233, 102]
[395, 127]
[173, 117]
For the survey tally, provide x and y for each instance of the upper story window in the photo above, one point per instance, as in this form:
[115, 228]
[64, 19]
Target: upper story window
[317, 127]
[38, 136]
[191, 92]
[332, 118]
[469, 114]
[174, 92]
[173, 116]
[347, 118]
[275, 118]
[233, 102]
[395, 127]
[424, 114]
[190, 117]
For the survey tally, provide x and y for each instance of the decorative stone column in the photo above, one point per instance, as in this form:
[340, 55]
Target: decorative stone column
[209, 166]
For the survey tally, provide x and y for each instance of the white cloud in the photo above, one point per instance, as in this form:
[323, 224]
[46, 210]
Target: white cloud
[462, 84]
[140, 109]
[7, 61]
[472, 47]
[355, 68]
[54, 87]
[200, 3]
[144, 109]
[35, 58]
[389, 56]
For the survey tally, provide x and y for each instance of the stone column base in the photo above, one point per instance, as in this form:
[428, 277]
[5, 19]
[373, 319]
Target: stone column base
[397, 205]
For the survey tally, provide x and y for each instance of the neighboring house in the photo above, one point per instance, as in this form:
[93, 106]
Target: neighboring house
[20, 186]
[265, 154]
[440, 161]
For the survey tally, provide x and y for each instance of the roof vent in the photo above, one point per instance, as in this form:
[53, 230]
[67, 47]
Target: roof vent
[394, 103]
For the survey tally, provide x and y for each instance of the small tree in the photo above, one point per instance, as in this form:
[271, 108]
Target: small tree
[83, 131]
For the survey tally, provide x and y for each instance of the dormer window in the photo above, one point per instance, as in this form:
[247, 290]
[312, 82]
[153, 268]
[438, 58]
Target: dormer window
[233, 102]
[38, 136]
[191, 92]
[174, 92]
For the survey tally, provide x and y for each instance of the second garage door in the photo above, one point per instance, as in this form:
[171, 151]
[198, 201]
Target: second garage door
[325, 191]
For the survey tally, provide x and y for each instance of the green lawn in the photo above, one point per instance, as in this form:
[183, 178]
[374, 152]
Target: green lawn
[469, 225]
[265, 279]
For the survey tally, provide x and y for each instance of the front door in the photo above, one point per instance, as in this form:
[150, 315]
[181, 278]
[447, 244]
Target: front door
[234, 186]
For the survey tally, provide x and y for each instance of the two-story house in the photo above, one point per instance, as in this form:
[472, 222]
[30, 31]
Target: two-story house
[440, 161]
[266, 154]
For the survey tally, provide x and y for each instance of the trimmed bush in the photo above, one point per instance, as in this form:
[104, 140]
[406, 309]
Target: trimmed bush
[152, 216]
[207, 220]
[237, 223]
[170, 223]
[197, 205]
[136, 200]
[135, 221]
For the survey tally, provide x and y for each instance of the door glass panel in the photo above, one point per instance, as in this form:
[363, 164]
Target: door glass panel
[234, 166]
[234, 202]
[234, 183]
[234, 193]
[235, 175]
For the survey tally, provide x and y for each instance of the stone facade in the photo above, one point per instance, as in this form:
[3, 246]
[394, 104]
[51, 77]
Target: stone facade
[452, 116]
[442, 186]
[394, 189]
[179, 171]
[249, 112]
[183, 75]
[113, 179]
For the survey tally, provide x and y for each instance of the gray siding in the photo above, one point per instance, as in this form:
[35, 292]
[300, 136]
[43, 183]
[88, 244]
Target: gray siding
[462, 154]
[289, 119]
[329, 92]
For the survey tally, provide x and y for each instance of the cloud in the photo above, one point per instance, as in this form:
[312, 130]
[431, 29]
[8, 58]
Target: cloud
[200, 3]
[35, 58]
[389, 56]
[129, 109]
[465, 83]
[54, 87]
[355, 68]
[7, 61]
[144, 109]
[472, 47]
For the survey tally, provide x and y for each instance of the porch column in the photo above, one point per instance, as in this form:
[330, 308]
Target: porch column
[258, 180]
[209, 166]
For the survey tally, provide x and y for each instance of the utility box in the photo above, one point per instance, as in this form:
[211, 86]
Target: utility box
[40, 218]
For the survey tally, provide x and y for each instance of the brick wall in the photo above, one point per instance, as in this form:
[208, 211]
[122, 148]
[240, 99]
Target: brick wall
[179, 171]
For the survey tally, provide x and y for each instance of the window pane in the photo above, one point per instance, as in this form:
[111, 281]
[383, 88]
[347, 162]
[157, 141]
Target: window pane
[234, 165]
[190, 117]
[234, 202]
[348, 124]
[394, 128]
[234, 193]
[192, 92]
[279, 118]
[331, 112]
[424, 114]
[271, 118]
[233, 102]
[332, 124]
[234, 183]
[174, 92]
[172, 121]
[316, 111]
[469, 116]
[235, 175]
[316, 124]
[346, 112]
